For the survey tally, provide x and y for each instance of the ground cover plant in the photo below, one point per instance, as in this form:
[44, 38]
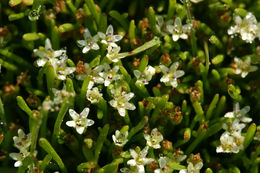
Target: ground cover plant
[134, 86]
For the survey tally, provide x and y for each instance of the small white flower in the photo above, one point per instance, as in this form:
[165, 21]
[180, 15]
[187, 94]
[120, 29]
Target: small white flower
[110, 74]
[120, 139]
[47, 53]
[196, 1]
[239, 114]
[178, 30]
[192, 168]
[139, 159]
[154, 139]
[112, 53]
[234, 127]
[93, 94]
[244, 67]
[145, 76]
[230, 143]
[164, 167]
[19, 157]
[121, 103]
[171, 74]
[22, 141]
[89, 42]
[109, 38]
[247, 27]
[93, 74]
[80, 121]
[59, 96]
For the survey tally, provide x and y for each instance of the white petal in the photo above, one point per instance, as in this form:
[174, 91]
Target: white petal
[164, 68]
[164, 79]
[174, 66]
[48, 44]
[170, 28]
[129, 96]
[18, 164]
[89, 122]
[80, 130]
[130, 106]
[71, 123]
[87, 34]
[81, 43]
[110, 30]
[121, 111]
[133, 153]
[85, 112]
[184, 36]
[117, 37]
[101, 35]
[179, 73]
[74, 115]
[174, 83]
[131, 162]
[175, 37]
[144, 152]
[95, 46]
[140, 169]
[177, 22]
[137, 74]
[229, 115]
[85, 49]
[113, 103]
[41, 62]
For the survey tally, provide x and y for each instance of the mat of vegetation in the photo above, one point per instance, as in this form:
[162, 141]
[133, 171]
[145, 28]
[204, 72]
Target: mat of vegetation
[108, 86]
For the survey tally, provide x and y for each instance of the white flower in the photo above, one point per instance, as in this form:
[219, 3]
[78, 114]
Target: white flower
[121, 103]
[22, 141]
[19, 157]
[112, 53]
[239, 114]
[47, 53]
[59, 96]
[230, 143]
[110, 74]
[80, 121]
[178, 30]
[145, 76]
[164, 168]
[93, 94]
[192, 168]
[234, 127]
[120, 139]
[154, 139]
[93, 74]
[139, 159]
[244, 67]
[196, 1]
[171, 74]
[89, 42]
[247, 27]
[109, 38]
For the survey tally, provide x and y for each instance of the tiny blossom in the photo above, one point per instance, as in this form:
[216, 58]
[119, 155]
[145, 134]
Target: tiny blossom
[196, 1]
[171, 74]
[93, 74]
[22, 141]
[234, 127]
[145, 76]
[109, 38]
[61, 69]
[19, 157]
[192, 168]
[247, 27]
[230, 143]
[59, 97]
[93, 94]
[178, 30]
[139, 159]
[110, 74]
[80, 121]
[46, 53]
[239, 114]
[89, 42]
[162, 26]
[120, 139]
[244, 67]
[120, 102]
[112, 53]
[164, 167]
[154, 139]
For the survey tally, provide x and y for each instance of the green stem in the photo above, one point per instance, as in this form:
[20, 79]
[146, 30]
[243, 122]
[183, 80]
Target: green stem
[44, 143]
[192, 32]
